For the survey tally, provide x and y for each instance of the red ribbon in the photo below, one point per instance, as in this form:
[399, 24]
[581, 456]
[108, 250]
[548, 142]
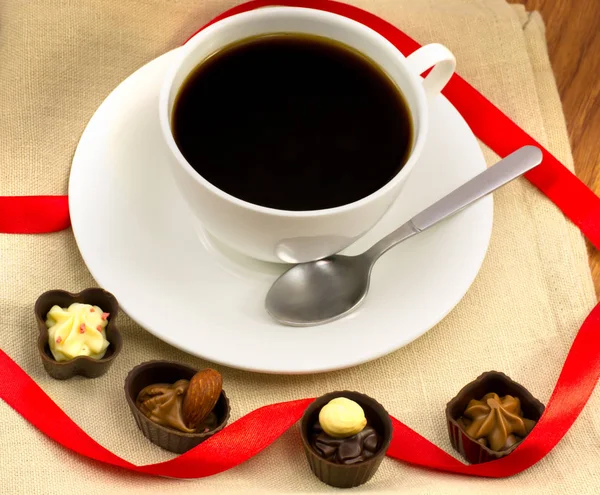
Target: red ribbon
[252, 433]
[33, 214]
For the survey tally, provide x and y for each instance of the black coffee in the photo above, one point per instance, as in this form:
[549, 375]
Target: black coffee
[292, 122]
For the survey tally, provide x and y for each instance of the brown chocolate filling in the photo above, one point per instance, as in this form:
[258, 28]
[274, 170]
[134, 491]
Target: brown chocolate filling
[351, 450]
[162, 404]
[496, 422]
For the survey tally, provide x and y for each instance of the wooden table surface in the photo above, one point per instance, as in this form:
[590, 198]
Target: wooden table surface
[573, 35]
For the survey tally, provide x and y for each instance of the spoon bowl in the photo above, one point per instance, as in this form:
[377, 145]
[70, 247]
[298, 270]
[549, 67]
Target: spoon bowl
[331, 287]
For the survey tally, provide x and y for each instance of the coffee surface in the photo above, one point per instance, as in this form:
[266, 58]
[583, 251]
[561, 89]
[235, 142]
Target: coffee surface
[292, 122]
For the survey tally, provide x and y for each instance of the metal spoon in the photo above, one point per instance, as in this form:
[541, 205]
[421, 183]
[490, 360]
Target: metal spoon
[325, 290]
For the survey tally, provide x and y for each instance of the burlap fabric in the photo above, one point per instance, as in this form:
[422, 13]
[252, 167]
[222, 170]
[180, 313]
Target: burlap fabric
[60, 58]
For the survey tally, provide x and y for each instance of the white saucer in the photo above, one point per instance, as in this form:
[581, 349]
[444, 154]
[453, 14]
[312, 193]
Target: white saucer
[139, 242]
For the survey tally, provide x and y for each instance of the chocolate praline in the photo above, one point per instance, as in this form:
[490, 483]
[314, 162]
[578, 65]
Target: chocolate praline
[80, 365]
[352, 468]
[470, 448]
[170, 439]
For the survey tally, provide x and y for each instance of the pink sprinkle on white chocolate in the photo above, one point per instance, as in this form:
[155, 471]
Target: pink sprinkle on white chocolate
[82, 328]
[105, 316]
[58, 340]
[99, 328]
[92, 310]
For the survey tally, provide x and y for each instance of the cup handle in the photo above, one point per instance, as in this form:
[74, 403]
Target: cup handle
[443, 63]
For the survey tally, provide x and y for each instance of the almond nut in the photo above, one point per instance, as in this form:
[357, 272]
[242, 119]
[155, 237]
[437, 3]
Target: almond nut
[201, 396]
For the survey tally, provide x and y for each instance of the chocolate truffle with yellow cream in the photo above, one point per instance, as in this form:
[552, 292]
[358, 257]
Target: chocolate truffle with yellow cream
[79, 330]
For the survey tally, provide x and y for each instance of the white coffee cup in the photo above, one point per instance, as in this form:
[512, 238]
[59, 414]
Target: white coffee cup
[297, 236]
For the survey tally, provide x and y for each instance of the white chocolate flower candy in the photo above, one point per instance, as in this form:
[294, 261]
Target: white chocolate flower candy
[342, 418]
[79, 330]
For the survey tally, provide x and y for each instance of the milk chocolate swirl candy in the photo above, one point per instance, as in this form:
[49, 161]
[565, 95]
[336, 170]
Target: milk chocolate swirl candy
[490, 417]
[497, 420]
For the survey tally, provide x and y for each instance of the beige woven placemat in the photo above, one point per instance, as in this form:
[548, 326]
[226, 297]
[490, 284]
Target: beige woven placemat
[60, 58]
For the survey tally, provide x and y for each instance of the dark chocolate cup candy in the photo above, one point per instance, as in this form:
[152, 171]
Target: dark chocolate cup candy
[80, 365]
[346, 475]
[168, 438]
[490, 381]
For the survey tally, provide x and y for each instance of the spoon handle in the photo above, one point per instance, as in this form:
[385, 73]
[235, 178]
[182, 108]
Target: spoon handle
[511, 167]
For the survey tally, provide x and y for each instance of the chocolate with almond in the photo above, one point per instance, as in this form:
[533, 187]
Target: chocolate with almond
[175, 406]
[186, 405]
